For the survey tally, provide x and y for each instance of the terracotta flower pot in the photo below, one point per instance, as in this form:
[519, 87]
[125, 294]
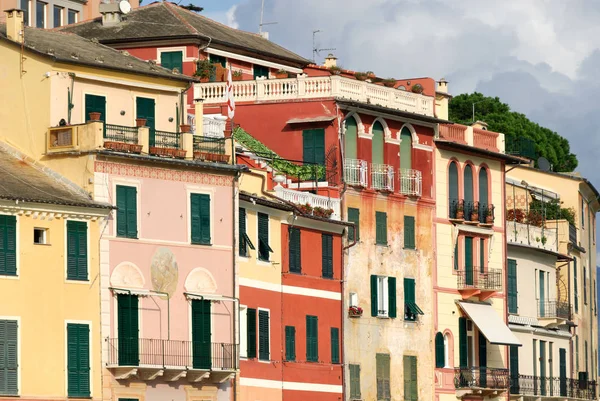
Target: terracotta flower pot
[281, 75]
[180, 153]
[200, 155]
[135, 148]
[460, 215]
[185, 128]
[474, 216]
[224, 158]
[204, 80]
[156, 151]
[140, 122]
[489, 219]
[95, 116]
[110, 145]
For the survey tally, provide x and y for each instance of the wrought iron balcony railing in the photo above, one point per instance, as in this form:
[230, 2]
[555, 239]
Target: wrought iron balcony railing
[410, 182]
[120, 133]
[475, 278]
[382, 177]
[480, 378]
[572, 234]
[165, 139]
[553, 387]
[474, 211]
[554, 309]
[355, 172]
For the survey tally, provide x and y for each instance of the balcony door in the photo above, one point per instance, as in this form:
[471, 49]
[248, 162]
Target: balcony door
[350, 139]
[405, 149]
[145, 108]
[128, 331]
[483, 194]
[482, 360]
[313, 148]
[453, 189]
[542, 365]
[562, 371]
[95, 104]
[542, 293]
[468, 191]
[201, 334]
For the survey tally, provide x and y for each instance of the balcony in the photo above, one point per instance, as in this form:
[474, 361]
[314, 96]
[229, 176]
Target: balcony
[572, 234]
[472, 136]
[474, 281]
[532, 235]
[355, 172]
[537, 386]
[302, 88]
[483, 380]
[410, 182]
[554, 310]
[471, 212]
[520, 146]
[303, 198]
[149, 359]
[210, 149]
[214, 127]
[382, 177]
[164, 143]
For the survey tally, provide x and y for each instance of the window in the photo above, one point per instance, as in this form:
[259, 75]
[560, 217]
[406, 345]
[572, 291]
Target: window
[128, 329]
[381, 228]
[456, 255]
[484, 207]
[200, 218]
[582, 214]
[463, 348]
[409, 232]
[383, 296]
[468, 261]
[439, 351]
[377, 143]
[382, 367]
[354, 217]
[263, 237]
[468, 191]
[58, 16]
[295, 258]
[251, 333]
[577, 353]
[514, 369]
[40, 14]
[8, 245]
[9, 362]
[335, 345]
[95, 104]
[512, 286]
[312, 338]
[411, 391]
[355, 381]
[260, 71]
[411, 309]
[25, 6]
[327, 255]
[73, 17]
[218, 60]
[482, 255]
[313, 146]
[405, 149]
[78, 360]
[263, 335]
[585, 349]
[201, 334]
[290, 343]
[243, 331]
[453, 190]
[244, 240]
[77, 260]
[39, 236]
[584, 285]
[575, 286]
[170, 60]
[351, 139]
[126, 211]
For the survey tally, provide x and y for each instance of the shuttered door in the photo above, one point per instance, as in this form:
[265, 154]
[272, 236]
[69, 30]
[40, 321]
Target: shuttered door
[381, 228]
[374, 306]
[354, 217]
[290, 343]
[468, 185]
[410, 378]
[95, 104]
[263, 236]
[350, 139]
[562, 371]
[126, 211]
[439, 351]
[313, 146]
[201, 334]
[251, 332]
[453, 188]
[482, 360]
[327, 255]
[8, 357]
[170, 60]
[78, 360]
[8, 245]
[128, 321]
[77, 250]
[514, 369]
[335, 345]
[392, 297]
[483, 194]
[354, 381]
[512, 286]
[263, 336]
[312, 339]
[200, 218]
[462, 342]
[295, 254]
[469, 260]
[145, 108]
[409, 232]
[382, 368]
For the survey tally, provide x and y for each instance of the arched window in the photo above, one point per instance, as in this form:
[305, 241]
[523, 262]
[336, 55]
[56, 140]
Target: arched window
[377, 144]
[350, 150]
[405, 149]
[468, 191]
[440, 351]
[483, 193]
[453, 188]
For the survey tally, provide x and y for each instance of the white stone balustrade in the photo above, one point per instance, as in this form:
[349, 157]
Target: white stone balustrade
[530, 235]
[301, 198]
[214, 127]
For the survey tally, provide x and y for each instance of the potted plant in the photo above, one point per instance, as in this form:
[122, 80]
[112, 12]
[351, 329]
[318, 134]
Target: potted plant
[237, 75]
[205, 69]
[95, 116]
[489, 217]
[389, 82]
[355, 311]
[460, 211]
[335, 70]
[306, 208]
[185, 128]
[371, 75]
[322, 212]
[361, 76]
[110, 145]
[180, 153]
[417, 88]
[140, 122]
[135, 148]
[475, 212]
[281, 74]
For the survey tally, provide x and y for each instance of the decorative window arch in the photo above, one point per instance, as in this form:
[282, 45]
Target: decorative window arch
[360, 127]
[386, 130]
[351, 138]
[377, 143]
[453, 188]
[406, 141]
[200, 281]
[127, 275]
[440, 351]
[411, 129]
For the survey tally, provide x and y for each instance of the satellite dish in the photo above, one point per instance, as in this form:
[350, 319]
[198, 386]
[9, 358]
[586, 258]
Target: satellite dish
[544, 164]
[124, 7]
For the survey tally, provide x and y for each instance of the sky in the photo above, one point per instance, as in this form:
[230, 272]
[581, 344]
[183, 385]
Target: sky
[542, 57]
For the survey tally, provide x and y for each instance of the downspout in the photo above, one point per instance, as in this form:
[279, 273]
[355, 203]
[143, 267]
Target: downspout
[154, 292]
[183, 106]
[70, 104]
[343, 271]
[236, 313]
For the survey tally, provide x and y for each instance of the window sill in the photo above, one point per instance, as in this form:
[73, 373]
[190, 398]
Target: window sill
[75, 281]
[201, 243]
[122, 237]
[264, 263]
[383, 317]
[381, 244]
[9, 276]
[35, 243]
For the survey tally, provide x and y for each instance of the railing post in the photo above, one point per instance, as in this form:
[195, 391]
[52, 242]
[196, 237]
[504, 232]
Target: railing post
[199, 116]
[301, 82]
[144, 139]
[98, 130]
[260, 89]
[187, 144]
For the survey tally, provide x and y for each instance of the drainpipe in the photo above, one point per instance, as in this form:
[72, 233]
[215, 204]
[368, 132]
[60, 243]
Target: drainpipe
[183, 105]
[70, 98]
[236, 313]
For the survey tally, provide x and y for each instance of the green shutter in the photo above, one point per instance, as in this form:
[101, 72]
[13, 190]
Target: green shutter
[575, 286]
[243, 248]
[201, 334]
[439, 351]
[128, 329]
[121, 211]
[382, 368]
[251, 332]
[313, 147]
[263, 335]
[351, 139]
[462, 342]
[374, 306]
[514, 364]
[145, 108]
[8, 357]
[327, 255]
[263, 237]
[452, 189]
[8, 245]
[132, 212]
[260, 71]
[410, 378]
[126, 211]
[377, 144]
[95, 104]
[170, 60]
[290, 343]
[200, 218]
[312, 339]
[405, 149]
[482, 255]
[77, 259]
[295, 250]
[78, 360]
[392, 297]
[409, 290]
[354, 381]
[335, 345]
[409, 232]
[218, 60]
[512, 286]
[381, 228]
[354, 217]
[468, 187]
[469, 260]
[456, 255]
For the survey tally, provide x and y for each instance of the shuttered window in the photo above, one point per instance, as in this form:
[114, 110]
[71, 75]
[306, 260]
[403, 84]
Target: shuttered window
[410, 378]
[409, 232]
[462, 342]
[354, 217]
[78, 360]
[263, 335]
[514, 369]
[126, 212]
[391, 281]
[411, 309]
[260, 71]
[335, 345]
[200, 218]
[383, 296]
[381, 228]
[263, 237]
[512, 286]
[295, 258]
[355, 381]
[290, 343]
[327, 255]
[439, 351]
[382, 367]
[251, 333]
[312, 339]
[244, 240]
[8, 245]
[77, 258]
[8, 357]
[313, 146]
[575, 286]
[170, 60]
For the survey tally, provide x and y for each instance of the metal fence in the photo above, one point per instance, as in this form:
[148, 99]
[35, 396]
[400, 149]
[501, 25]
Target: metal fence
[410, 182]
[554, 309]
[481, 279]
[165, 139]
[553, 387]
[120, 133]
[206, 144]
[481, 377]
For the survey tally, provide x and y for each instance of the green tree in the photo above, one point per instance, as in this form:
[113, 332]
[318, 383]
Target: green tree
[514, 126]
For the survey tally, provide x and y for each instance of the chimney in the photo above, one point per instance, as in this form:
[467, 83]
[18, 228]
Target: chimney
[442, 86]
[480, 125]
[111, 13]
[14, 25]
[441, 99]
[330, 61]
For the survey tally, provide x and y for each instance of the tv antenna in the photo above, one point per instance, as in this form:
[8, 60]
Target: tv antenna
[315, 49]
[260, 26]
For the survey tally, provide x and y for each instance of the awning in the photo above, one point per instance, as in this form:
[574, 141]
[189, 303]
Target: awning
[315, 119]
[140, 292]
[489, 323]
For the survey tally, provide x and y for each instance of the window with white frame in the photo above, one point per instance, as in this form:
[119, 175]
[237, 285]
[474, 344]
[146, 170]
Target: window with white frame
[382, 296]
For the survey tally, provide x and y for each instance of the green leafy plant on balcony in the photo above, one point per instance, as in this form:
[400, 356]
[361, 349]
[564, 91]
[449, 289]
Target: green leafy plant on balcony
[306, 172]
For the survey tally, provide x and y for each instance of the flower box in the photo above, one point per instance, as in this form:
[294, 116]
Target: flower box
[355, 311]
[180, 153]
[135, 148]
[201, 155]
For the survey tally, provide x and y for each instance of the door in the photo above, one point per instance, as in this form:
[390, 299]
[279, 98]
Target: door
[562, 363]
[145, 109]
[95, 104]
[128, 331]
[542, 285]
[314, 147]
[453, 189]
[201, 334]
[483, 194]
[469, 260]
[514, 370]
[482, 360]
[468, 191]
[377, 144]
[543, 367]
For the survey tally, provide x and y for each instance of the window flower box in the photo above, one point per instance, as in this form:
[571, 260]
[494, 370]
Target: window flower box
[355, 311]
